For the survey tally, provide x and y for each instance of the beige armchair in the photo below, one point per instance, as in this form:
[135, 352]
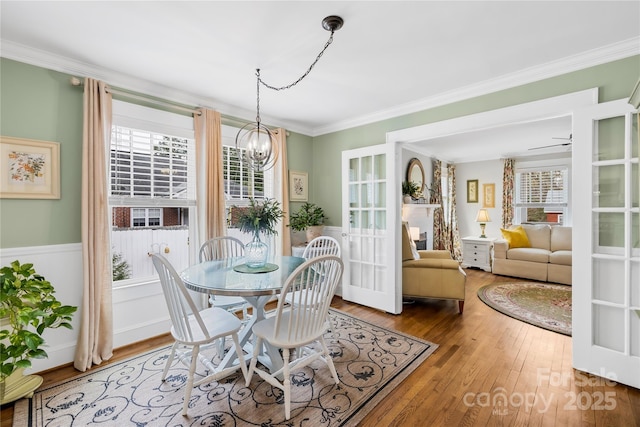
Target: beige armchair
[434, 275]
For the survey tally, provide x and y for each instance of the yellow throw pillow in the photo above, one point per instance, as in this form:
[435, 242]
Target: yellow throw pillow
[516, 237]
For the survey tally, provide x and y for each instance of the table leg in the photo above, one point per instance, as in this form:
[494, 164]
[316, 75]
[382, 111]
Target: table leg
[272, 358]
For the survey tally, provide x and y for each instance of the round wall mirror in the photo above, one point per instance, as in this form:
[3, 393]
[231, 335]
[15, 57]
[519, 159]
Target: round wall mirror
[415, 173]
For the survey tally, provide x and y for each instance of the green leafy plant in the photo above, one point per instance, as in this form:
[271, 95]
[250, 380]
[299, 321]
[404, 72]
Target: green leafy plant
[121, 269]
[260, 217]
[28, 307]
[309, 215]
[410, 188]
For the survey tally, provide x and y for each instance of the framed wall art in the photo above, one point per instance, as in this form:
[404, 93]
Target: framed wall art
[472, 191]
[298, 186]
[29, 169]
[488, 195]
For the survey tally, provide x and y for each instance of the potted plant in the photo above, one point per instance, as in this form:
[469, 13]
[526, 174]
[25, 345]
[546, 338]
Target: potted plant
[309, 218]
[27, 308]
[255, 219]
[410, 190]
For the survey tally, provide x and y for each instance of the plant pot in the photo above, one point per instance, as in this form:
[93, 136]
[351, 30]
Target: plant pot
[314, 231]
[17, 386]
[406, 199]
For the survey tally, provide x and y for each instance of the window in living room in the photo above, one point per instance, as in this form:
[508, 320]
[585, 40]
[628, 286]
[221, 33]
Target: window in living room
[542, 195]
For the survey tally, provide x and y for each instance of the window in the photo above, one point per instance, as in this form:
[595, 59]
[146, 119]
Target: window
[146, 217]
[152, 188]
[241, 183]
[542, 195]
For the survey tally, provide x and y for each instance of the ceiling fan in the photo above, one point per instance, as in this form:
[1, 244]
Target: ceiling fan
[567, 143]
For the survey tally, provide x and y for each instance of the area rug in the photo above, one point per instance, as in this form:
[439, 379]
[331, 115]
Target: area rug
[544, 305]
[370, 361]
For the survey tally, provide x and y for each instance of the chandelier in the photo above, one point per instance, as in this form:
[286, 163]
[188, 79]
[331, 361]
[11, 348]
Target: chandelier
[260, 153]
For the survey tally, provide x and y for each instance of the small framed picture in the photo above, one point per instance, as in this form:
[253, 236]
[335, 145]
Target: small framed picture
[29, 169]
[298, 186]
[472, 191]
[489, 195]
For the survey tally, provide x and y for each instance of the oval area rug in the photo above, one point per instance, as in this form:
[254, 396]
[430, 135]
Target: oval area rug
[544, 305]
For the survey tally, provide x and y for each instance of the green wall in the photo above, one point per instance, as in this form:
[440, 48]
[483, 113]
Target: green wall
[37, 103]
[615, 80]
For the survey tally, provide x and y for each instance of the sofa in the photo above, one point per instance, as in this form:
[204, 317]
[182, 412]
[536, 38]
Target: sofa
[430, 273]
[543, 253]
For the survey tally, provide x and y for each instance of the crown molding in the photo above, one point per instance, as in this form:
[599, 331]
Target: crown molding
[41, 58]
[613, 52]
[37, 57]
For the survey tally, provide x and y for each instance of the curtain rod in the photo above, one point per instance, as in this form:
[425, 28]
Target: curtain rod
[75, 81]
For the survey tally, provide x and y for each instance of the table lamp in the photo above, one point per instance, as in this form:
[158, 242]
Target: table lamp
[415, 233]
[483, 218]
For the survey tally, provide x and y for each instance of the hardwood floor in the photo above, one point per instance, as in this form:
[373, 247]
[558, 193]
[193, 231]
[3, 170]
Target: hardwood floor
[484, 359]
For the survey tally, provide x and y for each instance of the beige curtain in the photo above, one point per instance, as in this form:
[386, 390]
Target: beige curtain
[508, 184]
[212, 219]
[281, 177]
[95, 338]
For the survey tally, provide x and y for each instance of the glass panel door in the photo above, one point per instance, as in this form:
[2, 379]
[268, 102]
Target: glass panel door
[367, 218]
[606, 318]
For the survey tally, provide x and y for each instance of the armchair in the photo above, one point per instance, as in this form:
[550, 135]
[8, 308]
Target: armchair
[431, 274]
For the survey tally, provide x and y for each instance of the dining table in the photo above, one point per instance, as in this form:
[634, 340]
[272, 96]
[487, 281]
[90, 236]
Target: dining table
[232, 277]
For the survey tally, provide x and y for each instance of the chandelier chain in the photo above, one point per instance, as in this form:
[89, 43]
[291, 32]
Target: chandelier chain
[289, 86]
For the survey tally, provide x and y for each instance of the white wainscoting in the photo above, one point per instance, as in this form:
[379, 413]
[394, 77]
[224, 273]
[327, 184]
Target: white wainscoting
[139, 311]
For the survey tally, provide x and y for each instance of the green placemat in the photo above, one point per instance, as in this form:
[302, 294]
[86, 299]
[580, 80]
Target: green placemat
[244, 268]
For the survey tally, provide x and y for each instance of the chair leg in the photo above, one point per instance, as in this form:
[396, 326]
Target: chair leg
[169, 360]
[189, 386]
[254, 360]
[239, 352]
[461, 306]
[286, 383]
[328, 360]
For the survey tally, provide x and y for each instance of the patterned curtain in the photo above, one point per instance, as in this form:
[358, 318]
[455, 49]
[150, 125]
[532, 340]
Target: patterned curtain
[438, 214]
[453, 234]
[508, 183]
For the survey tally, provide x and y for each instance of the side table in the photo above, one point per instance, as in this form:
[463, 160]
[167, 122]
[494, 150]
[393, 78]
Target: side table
[477, 252]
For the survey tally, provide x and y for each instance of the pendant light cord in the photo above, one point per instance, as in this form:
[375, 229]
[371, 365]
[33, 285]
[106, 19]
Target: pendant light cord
[289, 86]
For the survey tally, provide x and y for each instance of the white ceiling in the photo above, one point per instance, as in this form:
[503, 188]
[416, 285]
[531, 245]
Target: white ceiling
[390, 58]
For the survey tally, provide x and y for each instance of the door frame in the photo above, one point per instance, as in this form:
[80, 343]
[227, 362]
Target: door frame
[558, 106]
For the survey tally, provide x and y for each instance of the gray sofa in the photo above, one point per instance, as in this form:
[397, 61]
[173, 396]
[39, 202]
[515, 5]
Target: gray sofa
[548, 259]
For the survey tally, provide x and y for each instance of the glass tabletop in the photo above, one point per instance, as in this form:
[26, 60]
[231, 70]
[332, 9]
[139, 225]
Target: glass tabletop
[219, 277]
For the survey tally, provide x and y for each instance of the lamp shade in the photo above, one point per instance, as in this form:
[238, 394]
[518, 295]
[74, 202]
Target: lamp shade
[415, 233]
[483, 216]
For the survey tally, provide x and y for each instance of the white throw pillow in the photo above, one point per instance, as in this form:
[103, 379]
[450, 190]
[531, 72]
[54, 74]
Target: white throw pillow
[414, 249]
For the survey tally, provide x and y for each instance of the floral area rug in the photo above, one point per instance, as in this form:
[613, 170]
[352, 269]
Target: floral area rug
[544, 305]
[370, 361]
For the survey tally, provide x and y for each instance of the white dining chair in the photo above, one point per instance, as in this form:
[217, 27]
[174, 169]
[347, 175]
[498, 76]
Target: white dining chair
[301, 324]
[225, 247]
[193, 329]
[322, 245]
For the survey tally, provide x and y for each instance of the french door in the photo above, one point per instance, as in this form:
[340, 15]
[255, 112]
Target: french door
[606, 242]
[370, 212]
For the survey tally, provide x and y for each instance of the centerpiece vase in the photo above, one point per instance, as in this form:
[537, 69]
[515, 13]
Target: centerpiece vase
[256, 252]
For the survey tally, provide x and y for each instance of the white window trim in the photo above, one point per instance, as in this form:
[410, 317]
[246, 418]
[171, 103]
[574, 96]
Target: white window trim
[538, 165]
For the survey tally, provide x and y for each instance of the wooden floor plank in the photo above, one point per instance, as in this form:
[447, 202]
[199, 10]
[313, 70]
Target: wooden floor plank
[483, 355]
